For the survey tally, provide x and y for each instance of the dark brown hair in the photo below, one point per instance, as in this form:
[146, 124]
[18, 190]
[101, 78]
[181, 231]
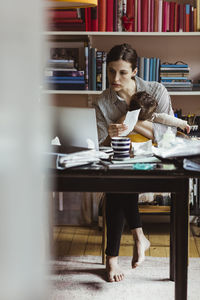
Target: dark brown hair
[125, 52]
[144, 101]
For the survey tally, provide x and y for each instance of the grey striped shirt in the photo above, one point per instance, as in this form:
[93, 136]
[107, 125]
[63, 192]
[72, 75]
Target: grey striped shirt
[109, 108]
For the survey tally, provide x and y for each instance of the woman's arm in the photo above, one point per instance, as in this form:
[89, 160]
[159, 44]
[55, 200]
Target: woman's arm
[145, 128]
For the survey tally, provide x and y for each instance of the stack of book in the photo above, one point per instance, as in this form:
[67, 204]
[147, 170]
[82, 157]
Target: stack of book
[149, 68]
[61, 74]
[65, 20]
[175, 76]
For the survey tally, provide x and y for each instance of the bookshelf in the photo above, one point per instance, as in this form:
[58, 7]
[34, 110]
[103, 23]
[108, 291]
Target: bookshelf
[168, 46]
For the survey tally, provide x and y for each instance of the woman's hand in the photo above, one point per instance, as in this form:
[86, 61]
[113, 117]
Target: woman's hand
[116, 129]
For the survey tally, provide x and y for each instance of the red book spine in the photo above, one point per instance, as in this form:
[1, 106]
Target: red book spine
[102, 15]
[89, 19]
[67, 20]
[156, 4]
[160, 15]
[109, 15]
[191, 18]
[172, 16]
[115, 7]
[187, 17]
[164, 23]
[181, 17]
[52, 13]
[94, 18]
[184, 18]
[177, 17]
[131, 14]
[144, 16]
[139, 16]
[152, 16]
[86, 20]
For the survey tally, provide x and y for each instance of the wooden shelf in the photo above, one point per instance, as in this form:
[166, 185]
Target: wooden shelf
[153, 209]
[86, 92]
[122, 33]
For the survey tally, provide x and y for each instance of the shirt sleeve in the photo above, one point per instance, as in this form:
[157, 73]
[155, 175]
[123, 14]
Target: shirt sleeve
[169, 120]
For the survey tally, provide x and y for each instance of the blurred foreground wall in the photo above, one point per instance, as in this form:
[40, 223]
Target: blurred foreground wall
[23, 206]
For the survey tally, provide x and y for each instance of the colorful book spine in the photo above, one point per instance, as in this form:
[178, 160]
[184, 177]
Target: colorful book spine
[198, 15]
[156, 4]
[103, 70]
[119, 15]
[131, 14]
[136, 16]
[181, 17]
[139, 28]
[115, 8]
[187, 17]
[176, 17]
[160, 15]
[191, 18]
[144, 16]
[152, 2]
[99, 59]
[94, 18]
[109, 15]
[164, 20]
[102, 15]
[86, 49]
[172, 17]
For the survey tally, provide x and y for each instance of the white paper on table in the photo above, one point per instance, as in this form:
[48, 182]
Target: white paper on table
[130, 121]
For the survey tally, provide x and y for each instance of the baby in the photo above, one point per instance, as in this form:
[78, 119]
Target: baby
[147, 104]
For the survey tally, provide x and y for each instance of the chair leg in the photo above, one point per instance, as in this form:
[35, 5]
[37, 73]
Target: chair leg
[103, 245]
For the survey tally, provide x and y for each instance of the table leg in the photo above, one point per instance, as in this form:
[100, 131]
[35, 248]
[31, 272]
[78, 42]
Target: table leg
[172, 238]
[181, 240]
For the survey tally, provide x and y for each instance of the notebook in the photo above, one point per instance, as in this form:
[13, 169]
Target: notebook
[75, 127]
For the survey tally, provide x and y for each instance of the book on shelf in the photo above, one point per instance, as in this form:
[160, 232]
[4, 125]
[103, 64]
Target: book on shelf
[67, 86]
[109, 15]
[115, 9]
[102, 15]
[94, 18]
[65, 79]
[137, 15]
[174, 65]
[63, 73]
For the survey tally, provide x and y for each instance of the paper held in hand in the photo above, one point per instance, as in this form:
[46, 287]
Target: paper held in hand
[130, 121]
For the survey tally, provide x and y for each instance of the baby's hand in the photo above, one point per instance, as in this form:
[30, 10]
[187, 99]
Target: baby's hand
[187, 128]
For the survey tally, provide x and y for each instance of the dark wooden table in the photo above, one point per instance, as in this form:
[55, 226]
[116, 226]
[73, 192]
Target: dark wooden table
[102, 179]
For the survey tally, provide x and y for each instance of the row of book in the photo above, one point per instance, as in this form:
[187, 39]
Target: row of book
[175, 76]
[128, 15]
[65, 73]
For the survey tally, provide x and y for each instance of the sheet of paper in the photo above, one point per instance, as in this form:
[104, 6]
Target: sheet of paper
[130, 121]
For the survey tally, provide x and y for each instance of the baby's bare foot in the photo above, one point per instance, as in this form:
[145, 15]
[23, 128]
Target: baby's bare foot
[140, 247]
[114, 273]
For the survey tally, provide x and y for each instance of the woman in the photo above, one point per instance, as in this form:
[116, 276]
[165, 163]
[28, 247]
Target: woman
[110, 106]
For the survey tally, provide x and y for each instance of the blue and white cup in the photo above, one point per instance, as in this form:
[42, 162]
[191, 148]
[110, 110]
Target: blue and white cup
[121, 147]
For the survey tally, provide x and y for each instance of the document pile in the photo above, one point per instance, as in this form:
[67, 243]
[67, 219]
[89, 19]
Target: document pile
[79, 158]
[192, 164]
[171, 146]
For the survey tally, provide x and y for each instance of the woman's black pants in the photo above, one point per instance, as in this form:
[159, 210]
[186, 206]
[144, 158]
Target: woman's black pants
[118, 208]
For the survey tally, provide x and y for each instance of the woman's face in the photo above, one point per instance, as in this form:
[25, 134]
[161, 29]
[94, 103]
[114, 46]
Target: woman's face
[120, 74]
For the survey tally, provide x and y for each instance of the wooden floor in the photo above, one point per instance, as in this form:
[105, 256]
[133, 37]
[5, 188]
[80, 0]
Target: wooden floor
[75, 241]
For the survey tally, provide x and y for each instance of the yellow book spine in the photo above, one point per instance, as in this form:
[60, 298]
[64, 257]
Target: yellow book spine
[198, 15]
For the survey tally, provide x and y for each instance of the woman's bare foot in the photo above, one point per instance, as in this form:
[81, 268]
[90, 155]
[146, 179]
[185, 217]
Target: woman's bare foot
[114, 273]
[141, 245]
